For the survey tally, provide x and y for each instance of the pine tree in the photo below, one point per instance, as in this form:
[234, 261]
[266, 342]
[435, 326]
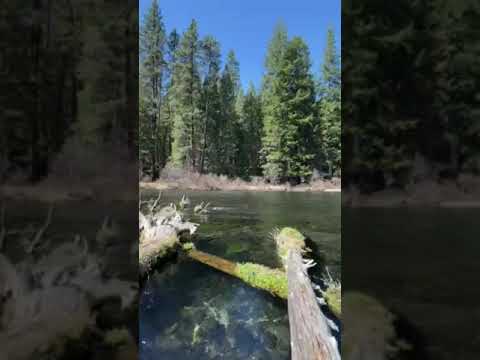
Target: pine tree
[153, 67]
[295, 89]
[271, 140]
[187, 101]
[168, 104]
[211, 105]
[252, 125]
[329, 129]
[229, 90]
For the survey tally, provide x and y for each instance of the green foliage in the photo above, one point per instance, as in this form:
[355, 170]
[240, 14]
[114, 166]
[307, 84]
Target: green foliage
[262, 277]
[404, 84]
[229, 90]
[153, 129]
[296, 90]
[251, 124]
[71, 81]
[202, 120]
[187, 95]
[271, 140]
[329, 110]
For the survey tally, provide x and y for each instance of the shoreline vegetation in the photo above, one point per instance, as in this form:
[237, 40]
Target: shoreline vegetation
[208, 182]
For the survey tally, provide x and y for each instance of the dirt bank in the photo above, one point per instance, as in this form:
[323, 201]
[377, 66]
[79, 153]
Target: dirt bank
[209, 183]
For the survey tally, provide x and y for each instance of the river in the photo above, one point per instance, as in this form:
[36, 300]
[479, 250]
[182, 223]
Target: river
[189, 311]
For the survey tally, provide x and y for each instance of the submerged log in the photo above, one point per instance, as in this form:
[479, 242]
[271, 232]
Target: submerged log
[258, 276]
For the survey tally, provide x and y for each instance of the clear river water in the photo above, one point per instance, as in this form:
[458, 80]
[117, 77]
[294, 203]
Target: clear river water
[189, 311]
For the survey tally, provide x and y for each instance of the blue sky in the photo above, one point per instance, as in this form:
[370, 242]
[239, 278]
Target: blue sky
[246, 26]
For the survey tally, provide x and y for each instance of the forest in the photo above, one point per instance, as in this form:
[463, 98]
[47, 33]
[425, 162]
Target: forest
[410, 74]
[69, 90]
[196, 116]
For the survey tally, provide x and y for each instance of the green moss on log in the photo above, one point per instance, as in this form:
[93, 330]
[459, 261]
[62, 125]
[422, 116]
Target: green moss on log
[188, 246]
[289, 238]
[333, 297]
[262, 277]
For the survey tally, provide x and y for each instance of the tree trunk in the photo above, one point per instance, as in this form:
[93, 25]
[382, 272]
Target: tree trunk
[309, 332]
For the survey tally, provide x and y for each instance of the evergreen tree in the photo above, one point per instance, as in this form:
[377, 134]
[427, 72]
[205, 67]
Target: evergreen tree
[152, 75]
[211, 106]
[168, 103]
[229, 90]
[252, 125]
[187, 101]
[329, 127]
[271, 140]
[295, 89]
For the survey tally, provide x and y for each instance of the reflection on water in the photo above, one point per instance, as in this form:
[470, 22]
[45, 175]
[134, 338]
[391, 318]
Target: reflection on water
[189, 311]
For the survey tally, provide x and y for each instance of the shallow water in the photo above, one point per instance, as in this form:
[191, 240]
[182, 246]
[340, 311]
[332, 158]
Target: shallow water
[189, 311]
[423, 264]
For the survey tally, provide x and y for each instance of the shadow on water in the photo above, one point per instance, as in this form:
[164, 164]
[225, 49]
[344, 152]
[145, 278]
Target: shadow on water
[189, 311]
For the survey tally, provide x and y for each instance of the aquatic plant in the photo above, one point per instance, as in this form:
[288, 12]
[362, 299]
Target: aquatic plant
[116, 337]
[262, 277]
[333, 294]
[333, 298]
[235, 248]
[195, 337]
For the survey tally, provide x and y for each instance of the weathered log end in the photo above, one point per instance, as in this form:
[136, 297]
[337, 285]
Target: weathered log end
[161, 231]
[289, 238]
[155, 246]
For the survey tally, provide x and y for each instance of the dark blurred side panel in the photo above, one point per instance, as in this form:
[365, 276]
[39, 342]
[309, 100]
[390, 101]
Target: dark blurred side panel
[410, 166]
[68, 179]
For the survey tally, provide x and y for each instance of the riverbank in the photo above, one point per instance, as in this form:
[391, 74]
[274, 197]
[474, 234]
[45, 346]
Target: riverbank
[448, 194]
[197, 182]
[52, 190]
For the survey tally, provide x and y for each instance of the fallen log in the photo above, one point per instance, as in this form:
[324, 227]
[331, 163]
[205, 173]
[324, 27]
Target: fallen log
[311, 338]
[258, 276]
[310, 335]
[160, 233]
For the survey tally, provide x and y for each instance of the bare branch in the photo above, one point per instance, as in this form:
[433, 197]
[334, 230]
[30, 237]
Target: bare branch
[155, 203]
[41, 231]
